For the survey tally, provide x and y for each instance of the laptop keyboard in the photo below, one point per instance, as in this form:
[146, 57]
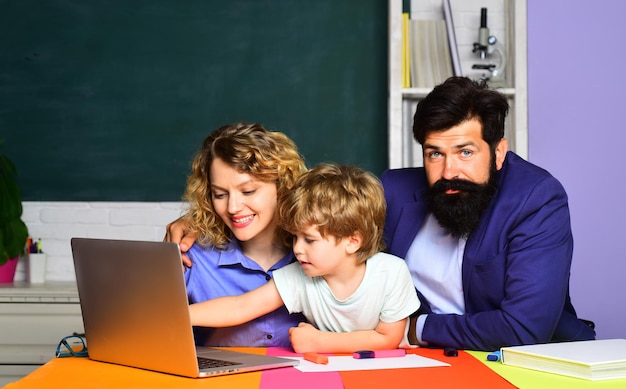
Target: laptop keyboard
[207, 363]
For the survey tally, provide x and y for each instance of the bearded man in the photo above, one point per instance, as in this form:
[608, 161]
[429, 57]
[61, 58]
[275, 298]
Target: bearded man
[486, 234]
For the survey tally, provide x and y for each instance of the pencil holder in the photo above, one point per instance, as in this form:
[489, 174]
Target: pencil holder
[36, 268]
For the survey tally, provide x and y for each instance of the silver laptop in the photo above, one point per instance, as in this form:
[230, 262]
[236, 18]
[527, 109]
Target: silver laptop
[135, 311]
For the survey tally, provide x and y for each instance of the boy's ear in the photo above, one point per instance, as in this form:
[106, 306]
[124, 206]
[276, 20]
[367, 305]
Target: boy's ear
[354, 242]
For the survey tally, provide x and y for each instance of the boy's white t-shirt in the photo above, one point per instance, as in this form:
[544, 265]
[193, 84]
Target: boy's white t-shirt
[386, 294]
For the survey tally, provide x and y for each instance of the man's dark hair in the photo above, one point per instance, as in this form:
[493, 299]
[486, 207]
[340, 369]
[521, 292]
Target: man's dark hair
[459, 99]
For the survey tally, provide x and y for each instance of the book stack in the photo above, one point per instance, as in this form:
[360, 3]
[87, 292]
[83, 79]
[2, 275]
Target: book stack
[429, 50]
[430, 55]
[590, 360]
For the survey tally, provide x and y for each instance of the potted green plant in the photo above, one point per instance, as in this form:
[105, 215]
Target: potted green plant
[13, 231]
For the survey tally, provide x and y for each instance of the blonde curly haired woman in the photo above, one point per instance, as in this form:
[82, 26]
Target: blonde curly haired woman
[237, 177]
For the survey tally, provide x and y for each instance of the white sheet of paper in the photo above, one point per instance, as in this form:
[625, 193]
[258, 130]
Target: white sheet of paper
[344, 363]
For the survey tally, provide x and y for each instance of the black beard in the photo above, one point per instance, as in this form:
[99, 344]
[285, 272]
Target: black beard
[460, 213]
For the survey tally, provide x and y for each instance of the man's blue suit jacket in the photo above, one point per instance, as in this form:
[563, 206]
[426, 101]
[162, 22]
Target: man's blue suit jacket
[516, 265]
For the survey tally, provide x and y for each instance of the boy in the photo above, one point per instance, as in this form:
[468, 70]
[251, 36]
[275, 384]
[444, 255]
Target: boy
[353, 296]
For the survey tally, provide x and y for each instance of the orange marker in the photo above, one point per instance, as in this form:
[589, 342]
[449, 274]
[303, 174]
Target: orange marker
[316, 358]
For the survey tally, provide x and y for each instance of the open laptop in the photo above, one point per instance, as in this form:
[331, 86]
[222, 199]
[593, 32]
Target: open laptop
[135, 311]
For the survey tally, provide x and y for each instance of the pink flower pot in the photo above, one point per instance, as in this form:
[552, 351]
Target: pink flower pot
[7, 271]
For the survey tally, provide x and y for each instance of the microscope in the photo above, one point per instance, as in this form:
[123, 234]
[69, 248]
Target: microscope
[487, 47]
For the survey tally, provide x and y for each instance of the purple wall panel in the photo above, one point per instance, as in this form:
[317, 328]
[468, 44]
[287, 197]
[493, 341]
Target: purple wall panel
[577, 131]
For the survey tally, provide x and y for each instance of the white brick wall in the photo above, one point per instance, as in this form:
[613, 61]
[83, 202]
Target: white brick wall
[56, 222]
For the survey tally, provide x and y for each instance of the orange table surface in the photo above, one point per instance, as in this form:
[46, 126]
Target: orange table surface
[465, 371]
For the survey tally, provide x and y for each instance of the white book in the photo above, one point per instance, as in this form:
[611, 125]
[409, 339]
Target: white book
[454, 48]
[590, 360]
[429, 52]
[444, 62]
[422, 73]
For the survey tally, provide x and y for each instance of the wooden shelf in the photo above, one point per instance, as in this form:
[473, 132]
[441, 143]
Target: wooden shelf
[420, 93]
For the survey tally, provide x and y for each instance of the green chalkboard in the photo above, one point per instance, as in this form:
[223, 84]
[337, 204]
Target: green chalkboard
[109, 100]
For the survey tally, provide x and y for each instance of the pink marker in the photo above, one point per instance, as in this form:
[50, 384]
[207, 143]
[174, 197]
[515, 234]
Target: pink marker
[364, 354]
